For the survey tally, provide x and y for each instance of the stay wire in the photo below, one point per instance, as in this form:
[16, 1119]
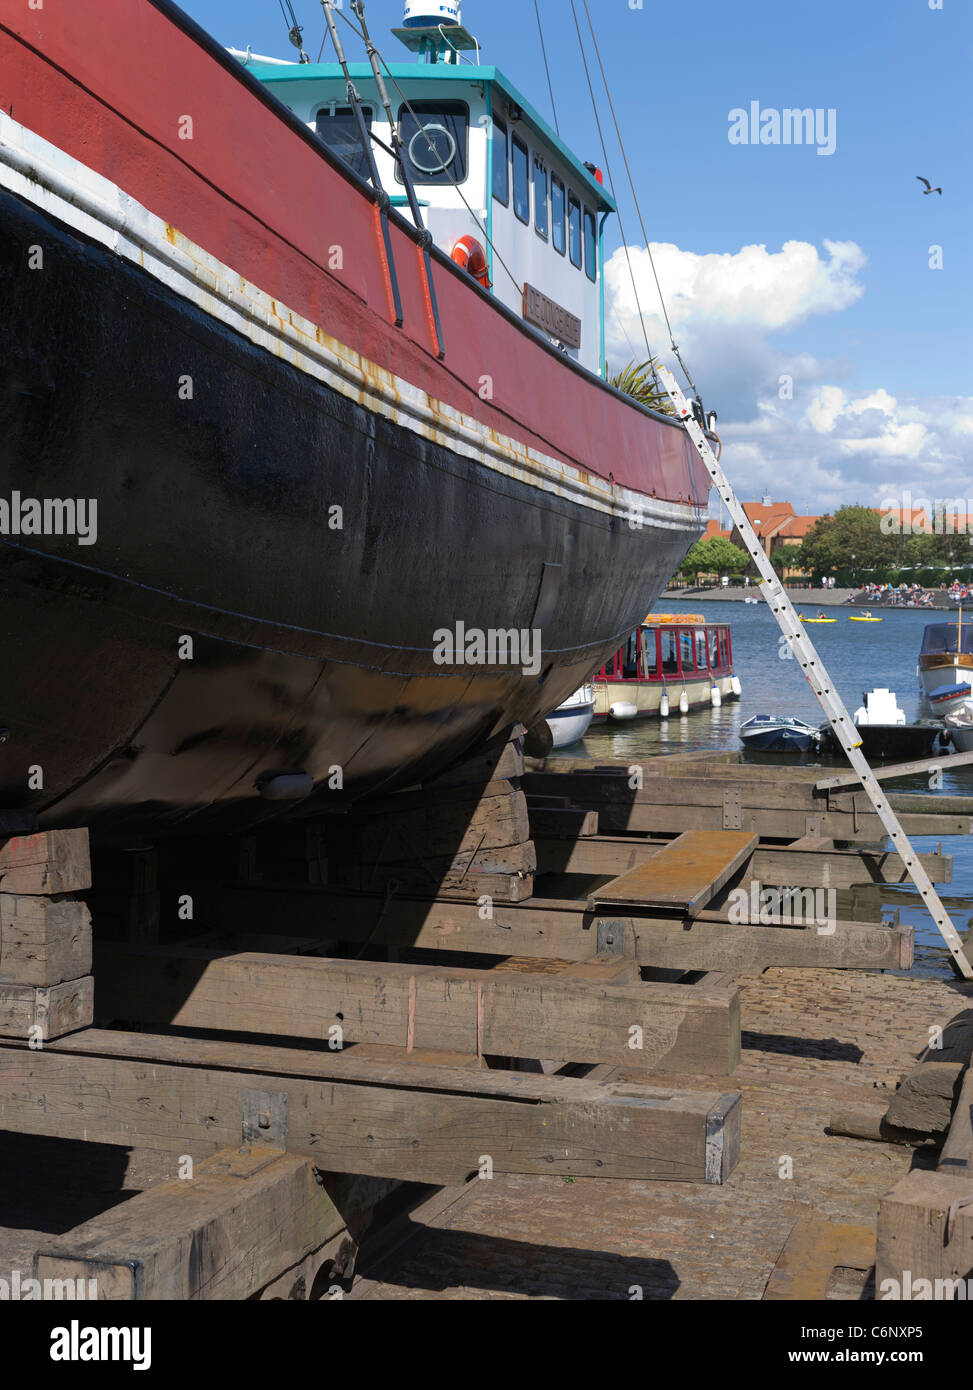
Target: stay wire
[611, 182]
[550, 84]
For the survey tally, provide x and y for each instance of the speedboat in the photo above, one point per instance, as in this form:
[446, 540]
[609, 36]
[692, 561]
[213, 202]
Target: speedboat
[571, 720]
[773, 733]
[959, 726]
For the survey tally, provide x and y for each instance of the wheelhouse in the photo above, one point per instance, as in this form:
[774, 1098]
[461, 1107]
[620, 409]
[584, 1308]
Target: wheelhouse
[484, 165]
[663, 650]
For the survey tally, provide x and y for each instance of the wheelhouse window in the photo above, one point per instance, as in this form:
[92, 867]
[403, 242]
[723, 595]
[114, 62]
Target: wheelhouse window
[574, 230]
[540, 198]
[435, 137]
[650, 653]
[558, 204]
[714, 649]
[670, 654]
[700, 649]
[521, 177]
[590, 246]
[501, 163]
[686, 651]
[337, 127]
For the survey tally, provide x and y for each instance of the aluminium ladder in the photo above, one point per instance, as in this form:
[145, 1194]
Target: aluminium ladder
[818, 678]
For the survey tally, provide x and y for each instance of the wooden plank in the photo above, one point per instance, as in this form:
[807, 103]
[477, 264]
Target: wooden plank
[813, 1250]
[43, 940]
[242, 1218]
[684, 877]
[46, 1011]
[688, 1030]
[956, 1159]
[53, 861]
[553, 928]
[610, 855]
[947, 763]
[914, 1258]
[436, 1124]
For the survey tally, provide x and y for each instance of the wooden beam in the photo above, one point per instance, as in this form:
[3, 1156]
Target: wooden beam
[553, 928]
[813, 1250]
[684, 877]
[562, 822]
[242, 1218]
[53, 861]
[806, 867]
[694, 1031]
[926, 1097]
[887, 774]
[43, 941]
[956, 1159]
[433, 1124]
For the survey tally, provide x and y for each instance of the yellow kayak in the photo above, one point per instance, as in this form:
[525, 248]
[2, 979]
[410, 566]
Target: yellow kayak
[819, 620]
[865, 620]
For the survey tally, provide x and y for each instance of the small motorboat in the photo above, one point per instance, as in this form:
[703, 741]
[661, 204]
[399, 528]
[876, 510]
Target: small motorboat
[959, 726]
[571, 720]
[750, 599]
[949, 699]
[774, 733]
[945, 660]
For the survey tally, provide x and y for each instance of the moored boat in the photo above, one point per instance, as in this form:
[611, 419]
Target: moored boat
[363, 504]
[959, 726]
[671, 663]
[571, 720]
[774, 733]
[945, 660]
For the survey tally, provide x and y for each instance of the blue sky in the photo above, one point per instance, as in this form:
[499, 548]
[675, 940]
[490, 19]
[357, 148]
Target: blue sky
[877, 343]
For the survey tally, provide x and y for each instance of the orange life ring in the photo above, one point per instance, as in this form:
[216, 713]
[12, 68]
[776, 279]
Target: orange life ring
[468, 253]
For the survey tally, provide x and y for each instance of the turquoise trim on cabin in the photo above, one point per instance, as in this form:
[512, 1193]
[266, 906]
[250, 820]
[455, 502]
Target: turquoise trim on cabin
[489, 189]
[442, 72]
[401, 200]
[601, 291]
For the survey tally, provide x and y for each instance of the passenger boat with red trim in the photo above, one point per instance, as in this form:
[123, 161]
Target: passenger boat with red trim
[671, 664]
[244, 321]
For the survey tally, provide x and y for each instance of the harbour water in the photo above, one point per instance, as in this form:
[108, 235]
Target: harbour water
[859, 657]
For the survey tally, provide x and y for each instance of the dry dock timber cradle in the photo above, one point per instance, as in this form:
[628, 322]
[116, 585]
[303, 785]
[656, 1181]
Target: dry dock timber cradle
[595, 1032]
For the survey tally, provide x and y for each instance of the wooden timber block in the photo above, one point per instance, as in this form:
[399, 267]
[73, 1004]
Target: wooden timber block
[814, 1249]
[53, 1009]
[506, 760]
[43, 941]
[956, 1043]
[684, 876]
[459, 828]
[53, 861]
[418, 1124]
[915, 1259]
[871, 1122]
[926, 1097]
[956, 1158]
[694, 1030]
[245, 1216]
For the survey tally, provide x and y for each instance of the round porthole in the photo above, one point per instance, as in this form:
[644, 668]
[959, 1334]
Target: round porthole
[432, 149]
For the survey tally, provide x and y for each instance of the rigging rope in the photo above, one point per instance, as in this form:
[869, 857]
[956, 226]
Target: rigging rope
[550, 85]
[611, 183]
[635, 196]
[408, 106]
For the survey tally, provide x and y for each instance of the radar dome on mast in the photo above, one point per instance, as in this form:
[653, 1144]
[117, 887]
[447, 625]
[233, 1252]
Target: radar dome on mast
[419, 14]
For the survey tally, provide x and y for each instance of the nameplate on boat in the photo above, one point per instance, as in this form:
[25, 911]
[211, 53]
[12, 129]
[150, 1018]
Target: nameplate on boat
[544, 313]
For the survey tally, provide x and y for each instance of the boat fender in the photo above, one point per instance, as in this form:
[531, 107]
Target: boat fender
[285, 786]
[735, 686]
[664, 707]
[471, 257]
[684, 703]
[622, 709]
[715, 697]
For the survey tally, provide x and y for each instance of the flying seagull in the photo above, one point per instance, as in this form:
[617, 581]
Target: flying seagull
[928, 188]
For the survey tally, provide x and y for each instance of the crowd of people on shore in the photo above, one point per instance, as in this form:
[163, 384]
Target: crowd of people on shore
[898, 595]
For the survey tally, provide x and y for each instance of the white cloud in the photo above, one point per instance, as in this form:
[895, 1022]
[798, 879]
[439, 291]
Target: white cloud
[831, 443]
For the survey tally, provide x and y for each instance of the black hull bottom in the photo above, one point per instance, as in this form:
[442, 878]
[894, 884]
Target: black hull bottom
[311, 646]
